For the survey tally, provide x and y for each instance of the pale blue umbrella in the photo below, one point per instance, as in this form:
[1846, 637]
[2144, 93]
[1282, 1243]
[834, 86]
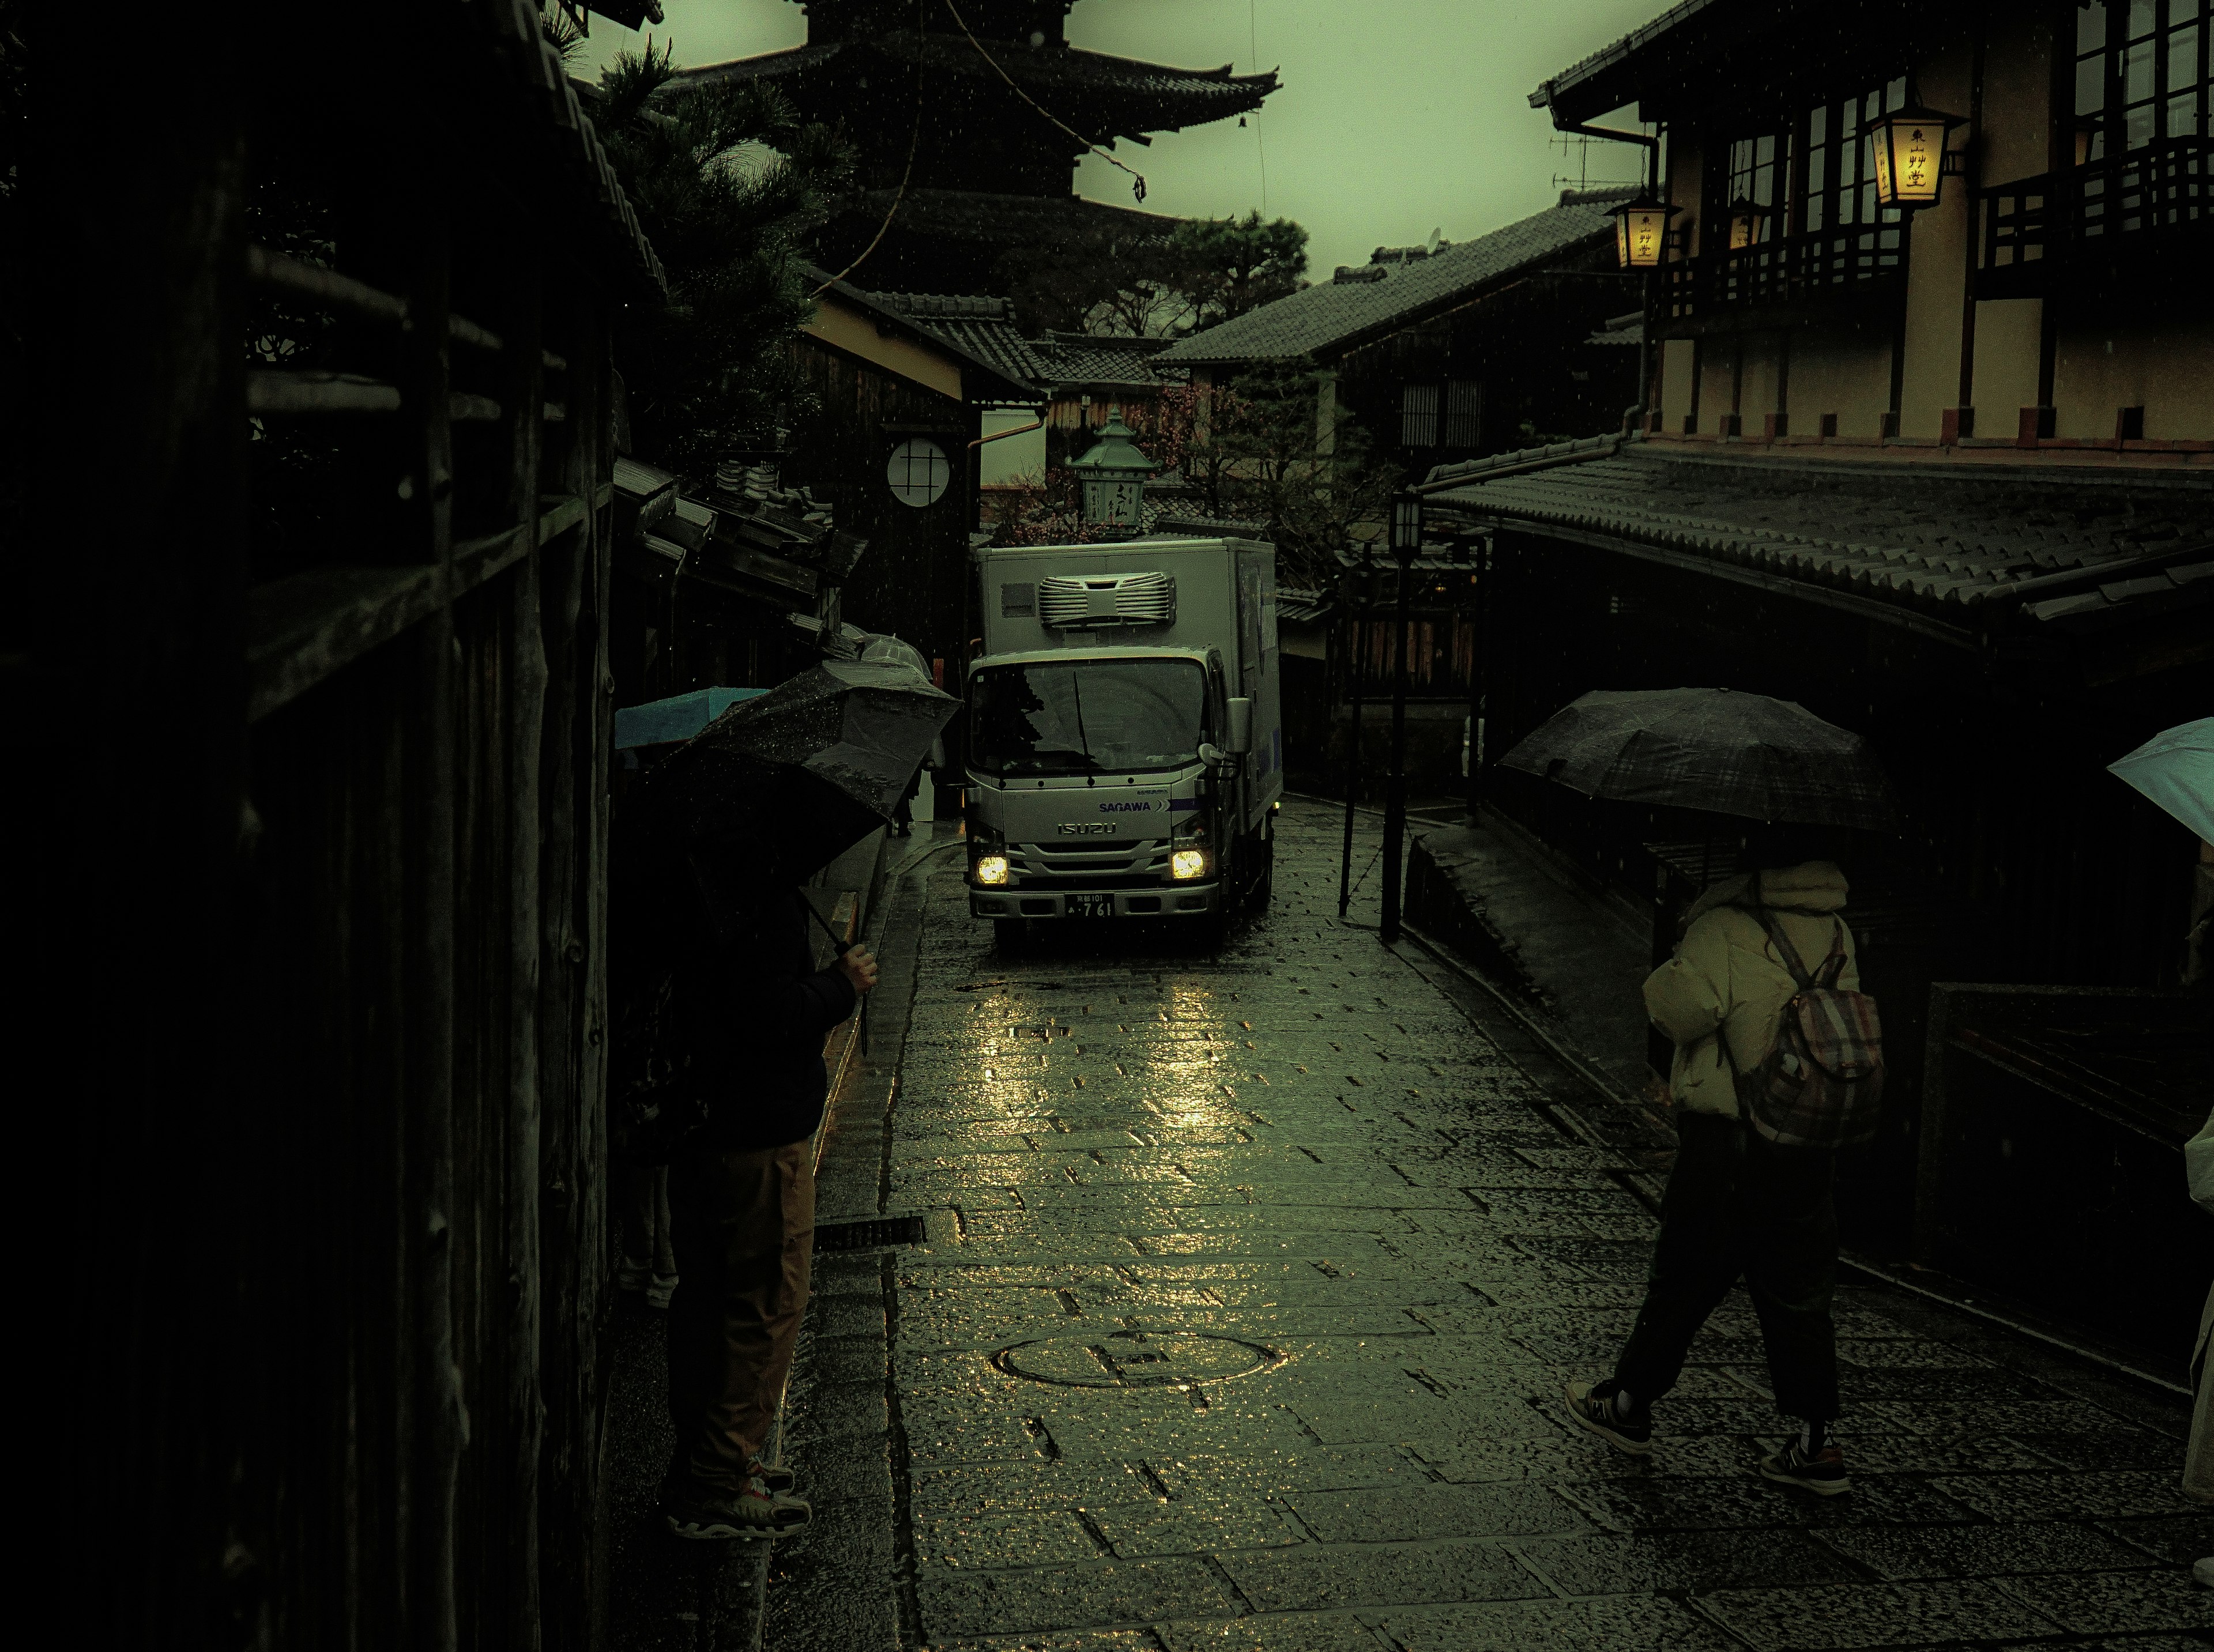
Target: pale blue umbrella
[667, 722]
[2175, 769]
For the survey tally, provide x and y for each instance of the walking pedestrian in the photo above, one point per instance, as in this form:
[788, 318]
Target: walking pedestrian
[1738, 1205]
[742, 1196]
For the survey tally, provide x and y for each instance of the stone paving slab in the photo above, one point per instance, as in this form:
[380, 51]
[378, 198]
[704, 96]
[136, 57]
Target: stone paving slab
[1250, 1288]
[1844, 1618]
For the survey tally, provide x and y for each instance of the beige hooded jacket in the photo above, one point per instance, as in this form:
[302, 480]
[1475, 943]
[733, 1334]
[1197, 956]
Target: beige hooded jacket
[1727, 978]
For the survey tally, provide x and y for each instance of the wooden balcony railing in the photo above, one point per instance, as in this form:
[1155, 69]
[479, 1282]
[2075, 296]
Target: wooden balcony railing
[2029, 229]
[1795, 269]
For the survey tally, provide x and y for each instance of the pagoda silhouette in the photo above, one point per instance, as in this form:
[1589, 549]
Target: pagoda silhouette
[993, 168]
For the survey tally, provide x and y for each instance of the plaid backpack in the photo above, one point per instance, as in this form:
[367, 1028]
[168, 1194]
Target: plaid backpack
[1822, 1085]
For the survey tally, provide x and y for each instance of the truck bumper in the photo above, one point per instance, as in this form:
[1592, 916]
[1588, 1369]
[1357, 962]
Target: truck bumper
[1170, 900]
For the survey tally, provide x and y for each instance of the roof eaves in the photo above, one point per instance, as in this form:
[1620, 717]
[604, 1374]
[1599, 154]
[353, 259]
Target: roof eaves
[1521, 462]
[1016, 390]
[1621, 52]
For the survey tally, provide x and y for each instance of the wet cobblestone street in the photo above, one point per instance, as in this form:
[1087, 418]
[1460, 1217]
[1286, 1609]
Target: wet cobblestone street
[1250, 1288]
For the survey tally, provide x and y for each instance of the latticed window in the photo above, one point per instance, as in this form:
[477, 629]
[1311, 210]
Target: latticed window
[2141, 75]
[1418, 416]
[1463, 413]
[1796, 205]
[1835, 188]
[1752, 179]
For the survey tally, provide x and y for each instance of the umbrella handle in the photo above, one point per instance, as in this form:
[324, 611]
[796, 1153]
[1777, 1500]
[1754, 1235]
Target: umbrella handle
[843, 947]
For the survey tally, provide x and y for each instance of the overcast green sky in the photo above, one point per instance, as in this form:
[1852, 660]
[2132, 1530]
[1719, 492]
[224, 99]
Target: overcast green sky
[1397, 117]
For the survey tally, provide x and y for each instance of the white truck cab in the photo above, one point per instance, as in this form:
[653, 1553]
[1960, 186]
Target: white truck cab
[1125, 732]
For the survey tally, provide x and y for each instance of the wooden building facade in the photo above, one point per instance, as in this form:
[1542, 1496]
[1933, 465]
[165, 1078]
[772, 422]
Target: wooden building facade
[327, 829]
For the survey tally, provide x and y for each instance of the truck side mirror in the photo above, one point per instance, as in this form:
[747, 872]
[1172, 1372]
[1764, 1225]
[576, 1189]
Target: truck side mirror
[1238, 734]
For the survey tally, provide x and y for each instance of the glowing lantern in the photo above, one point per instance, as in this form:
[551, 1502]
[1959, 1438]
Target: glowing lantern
[1641, 232]
[1909, 154]
[1745, 219]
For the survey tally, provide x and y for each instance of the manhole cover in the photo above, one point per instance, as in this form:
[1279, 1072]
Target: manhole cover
[1124, 1359]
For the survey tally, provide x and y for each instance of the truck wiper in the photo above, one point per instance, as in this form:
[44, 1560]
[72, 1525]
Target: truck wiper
[1076, 687]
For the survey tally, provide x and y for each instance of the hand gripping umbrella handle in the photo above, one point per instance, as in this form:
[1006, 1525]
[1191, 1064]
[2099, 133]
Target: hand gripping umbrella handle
[841, 948]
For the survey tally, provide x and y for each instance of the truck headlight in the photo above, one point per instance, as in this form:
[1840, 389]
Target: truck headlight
[991, 868]
[1187, 863]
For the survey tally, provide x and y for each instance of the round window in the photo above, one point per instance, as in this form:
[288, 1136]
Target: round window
[920, 472]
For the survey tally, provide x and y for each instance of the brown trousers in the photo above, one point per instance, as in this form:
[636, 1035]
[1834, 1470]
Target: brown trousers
[744, 1229]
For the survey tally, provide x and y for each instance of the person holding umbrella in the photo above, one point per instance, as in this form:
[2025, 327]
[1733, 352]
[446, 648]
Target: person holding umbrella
[1761, 1096]
[773, 788]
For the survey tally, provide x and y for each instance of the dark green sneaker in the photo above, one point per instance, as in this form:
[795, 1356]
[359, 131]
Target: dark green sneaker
[1824, 1473]
[776, 1479]
[753, 1511]
[1595, 1409]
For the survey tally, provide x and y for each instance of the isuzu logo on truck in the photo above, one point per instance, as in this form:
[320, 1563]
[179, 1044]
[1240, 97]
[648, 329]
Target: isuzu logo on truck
[1087, 828]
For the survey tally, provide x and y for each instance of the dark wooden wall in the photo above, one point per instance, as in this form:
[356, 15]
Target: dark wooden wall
[332, 820]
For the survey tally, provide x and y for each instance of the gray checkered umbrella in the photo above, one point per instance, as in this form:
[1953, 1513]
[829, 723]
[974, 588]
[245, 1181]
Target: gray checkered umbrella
[1713, 749]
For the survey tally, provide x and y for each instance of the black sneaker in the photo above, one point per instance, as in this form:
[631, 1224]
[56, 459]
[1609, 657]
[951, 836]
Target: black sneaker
[1595, 1409]
[1824, 1473]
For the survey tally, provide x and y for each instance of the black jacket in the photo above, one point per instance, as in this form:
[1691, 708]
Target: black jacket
[759, 1010]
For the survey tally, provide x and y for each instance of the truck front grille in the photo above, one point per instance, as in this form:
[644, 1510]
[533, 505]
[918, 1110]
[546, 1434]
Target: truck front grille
[1124, 865]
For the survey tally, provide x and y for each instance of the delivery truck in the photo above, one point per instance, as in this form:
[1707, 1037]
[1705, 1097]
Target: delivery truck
[1125, 736]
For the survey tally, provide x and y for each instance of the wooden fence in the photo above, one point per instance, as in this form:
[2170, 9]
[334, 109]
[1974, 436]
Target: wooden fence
[334, 826]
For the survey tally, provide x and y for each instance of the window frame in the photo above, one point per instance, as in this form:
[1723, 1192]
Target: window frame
[1414, 419]
[2102, 61]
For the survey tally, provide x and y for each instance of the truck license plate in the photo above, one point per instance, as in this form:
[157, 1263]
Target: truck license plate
[1091, 906]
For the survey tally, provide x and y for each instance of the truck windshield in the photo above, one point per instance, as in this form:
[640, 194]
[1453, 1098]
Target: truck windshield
[1089, 716]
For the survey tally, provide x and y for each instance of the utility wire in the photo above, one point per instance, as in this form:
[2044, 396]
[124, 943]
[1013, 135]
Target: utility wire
[1141, 187]
[1253, 52]
[914, 143]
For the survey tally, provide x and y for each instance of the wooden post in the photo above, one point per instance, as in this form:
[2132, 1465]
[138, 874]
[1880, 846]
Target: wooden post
[524, 731]
[441, 1419]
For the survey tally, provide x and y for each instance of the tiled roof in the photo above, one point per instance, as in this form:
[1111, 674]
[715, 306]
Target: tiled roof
[1376, 296]
[1078, 359]
[980, 326]
[985, 328]
[1085, 88]
[1947, 542]
[974, 337]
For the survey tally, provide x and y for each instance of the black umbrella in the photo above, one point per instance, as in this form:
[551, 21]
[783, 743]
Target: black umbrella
[782, 784]
[1712, 749]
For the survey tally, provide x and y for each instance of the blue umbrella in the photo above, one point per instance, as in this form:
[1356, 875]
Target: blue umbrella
[2175, 769]
[660, 722]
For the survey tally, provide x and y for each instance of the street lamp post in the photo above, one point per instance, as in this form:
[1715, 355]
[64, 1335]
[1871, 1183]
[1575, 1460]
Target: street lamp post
[1406, 545]
[1356, 610]
[1478, 625]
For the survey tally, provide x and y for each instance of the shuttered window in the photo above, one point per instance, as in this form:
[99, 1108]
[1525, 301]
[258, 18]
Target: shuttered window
[1463, 413]
[1418, 416]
